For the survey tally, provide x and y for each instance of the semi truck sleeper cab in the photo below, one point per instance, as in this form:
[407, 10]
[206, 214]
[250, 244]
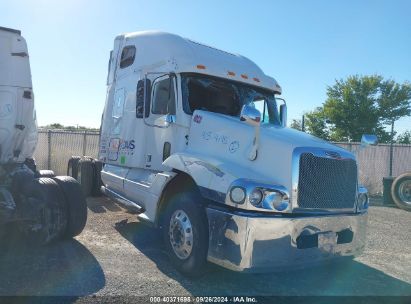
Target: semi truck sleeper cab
[194, 140]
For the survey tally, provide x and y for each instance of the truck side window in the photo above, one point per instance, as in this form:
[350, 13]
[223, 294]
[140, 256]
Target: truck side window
[109, 80]
[260, 105]
[117, 111]
[127, 56]
[163, 97]
[118, 104]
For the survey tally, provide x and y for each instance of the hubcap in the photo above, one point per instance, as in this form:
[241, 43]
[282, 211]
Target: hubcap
[181, 234]
[404, 192]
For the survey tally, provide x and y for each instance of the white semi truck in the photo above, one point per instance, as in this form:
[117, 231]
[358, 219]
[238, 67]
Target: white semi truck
[42, 206]
[194, 140]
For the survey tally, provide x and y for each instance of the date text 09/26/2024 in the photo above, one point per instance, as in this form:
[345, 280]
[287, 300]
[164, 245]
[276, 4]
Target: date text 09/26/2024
[204, 299]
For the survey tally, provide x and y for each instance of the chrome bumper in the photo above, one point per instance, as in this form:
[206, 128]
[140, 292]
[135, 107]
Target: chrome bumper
[258, 243]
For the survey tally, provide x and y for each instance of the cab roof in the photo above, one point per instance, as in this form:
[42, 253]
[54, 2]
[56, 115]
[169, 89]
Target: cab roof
[6, 29]
[14, 59]
[156, 49]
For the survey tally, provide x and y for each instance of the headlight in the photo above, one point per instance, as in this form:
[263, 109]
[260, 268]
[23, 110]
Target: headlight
[237, 195]
[253, 195]
[276, 201]
[256, 196]
[362, 201]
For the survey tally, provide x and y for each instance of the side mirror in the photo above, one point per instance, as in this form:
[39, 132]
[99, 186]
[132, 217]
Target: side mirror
[140, 109]
[143, 97]
[369, 140]
[283, 115]
[169, 118]
[250, 115]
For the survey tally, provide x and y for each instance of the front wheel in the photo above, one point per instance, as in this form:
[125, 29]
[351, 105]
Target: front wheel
[185, 233]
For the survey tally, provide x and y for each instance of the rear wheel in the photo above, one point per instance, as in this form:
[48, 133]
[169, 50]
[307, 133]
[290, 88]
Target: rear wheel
[185, 232]
[401, 191]
[72, 166]
[85, 175]
[76, 205]
[97, 183]
[46, 198]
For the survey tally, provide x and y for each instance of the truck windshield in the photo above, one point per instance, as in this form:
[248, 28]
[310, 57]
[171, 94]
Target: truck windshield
[227, 97]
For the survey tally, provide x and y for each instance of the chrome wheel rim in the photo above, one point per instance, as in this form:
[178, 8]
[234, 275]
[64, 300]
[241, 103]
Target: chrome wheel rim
[181, 234]
[404, 192]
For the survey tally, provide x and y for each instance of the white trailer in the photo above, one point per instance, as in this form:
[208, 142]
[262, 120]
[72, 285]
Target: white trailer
[42, 206]
[194, 140]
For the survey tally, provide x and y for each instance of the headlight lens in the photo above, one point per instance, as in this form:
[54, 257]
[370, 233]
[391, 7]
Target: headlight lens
[363, 201]
[256, 196]
[237, 195]
[276, 201]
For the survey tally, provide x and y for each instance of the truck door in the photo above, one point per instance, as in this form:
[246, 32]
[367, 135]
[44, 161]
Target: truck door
[160, 127]
[122, 104]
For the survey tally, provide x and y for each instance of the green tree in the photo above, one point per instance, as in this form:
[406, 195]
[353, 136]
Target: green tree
[363, 105]
[68, 128]
[404, 138]
[296, 124]
[394, 103]
[316, 124]
[350, 106]
[55, 126]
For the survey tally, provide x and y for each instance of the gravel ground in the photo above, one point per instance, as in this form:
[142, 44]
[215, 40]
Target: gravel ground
[128, 259]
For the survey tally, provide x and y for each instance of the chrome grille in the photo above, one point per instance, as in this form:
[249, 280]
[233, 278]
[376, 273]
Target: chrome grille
[326, 183]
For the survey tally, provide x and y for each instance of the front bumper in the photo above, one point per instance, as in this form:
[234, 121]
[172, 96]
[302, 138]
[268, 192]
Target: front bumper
[249, 242]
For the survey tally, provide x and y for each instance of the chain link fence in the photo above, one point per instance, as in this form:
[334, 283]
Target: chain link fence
[374, 163]
[55, 147]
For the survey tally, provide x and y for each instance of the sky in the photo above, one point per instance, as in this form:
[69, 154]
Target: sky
[304, 45]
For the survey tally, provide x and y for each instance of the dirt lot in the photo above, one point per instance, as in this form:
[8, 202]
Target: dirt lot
[128, 259]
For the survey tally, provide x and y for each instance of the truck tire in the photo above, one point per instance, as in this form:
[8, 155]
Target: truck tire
[72, 166]
[97, 183]
[45, 193]
[185, 233]
[85, 175]
[44, 173]
[401, 191]
[76, 205]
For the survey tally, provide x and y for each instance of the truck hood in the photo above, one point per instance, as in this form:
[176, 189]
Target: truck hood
[224, 143]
